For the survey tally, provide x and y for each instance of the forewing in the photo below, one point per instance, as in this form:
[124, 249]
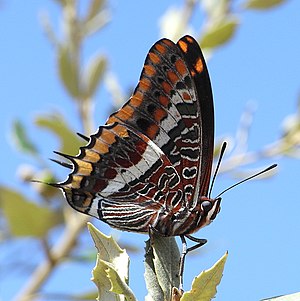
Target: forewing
[205, 115]
[168, 106]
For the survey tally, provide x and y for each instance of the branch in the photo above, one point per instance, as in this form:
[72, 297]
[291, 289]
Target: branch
[76, 223]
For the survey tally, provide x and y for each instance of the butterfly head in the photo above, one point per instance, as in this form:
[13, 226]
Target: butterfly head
[209, 208]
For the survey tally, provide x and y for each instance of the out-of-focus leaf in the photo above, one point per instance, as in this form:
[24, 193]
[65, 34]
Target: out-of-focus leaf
[173, 23]
[94, 73]
[94, 9]
[262, 4]
[85, 296]
[291, 297]
[70, 143]
[46, 191]
[68, 71]
[96, 23]
[21, 138]
[204, 286]
[219, 33]
[26, 218]
[216, 9]
[111, 271]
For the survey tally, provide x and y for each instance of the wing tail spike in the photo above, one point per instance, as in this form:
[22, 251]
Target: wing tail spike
[64, 164]
[83, 137]
[69, 157]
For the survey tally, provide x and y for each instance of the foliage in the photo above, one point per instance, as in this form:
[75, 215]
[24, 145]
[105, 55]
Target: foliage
[81, 82]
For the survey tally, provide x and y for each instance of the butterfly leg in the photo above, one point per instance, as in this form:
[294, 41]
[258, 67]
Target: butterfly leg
[200, 242]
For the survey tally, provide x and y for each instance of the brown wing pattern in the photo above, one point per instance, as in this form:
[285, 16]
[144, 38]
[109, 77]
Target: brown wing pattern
[153, 157]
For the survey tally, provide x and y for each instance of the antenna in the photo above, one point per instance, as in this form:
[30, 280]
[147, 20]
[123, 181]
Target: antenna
[251, 177]
[218, 167]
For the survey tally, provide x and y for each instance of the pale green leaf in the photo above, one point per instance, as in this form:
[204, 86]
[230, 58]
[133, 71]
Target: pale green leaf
[216, 9]
[291, 297]
[94, 74]
[24, 217]
[118, 285]
[70, 143]
[219, 33]
[94, 8]
[111, 271]
[96, 23]
[85, 296]
[21, 139]
[68, 71]
[99, 277]
[262, 4]
[204, 286]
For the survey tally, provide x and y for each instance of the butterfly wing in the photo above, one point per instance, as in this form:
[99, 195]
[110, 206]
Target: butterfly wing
[173, 106]
[205, 117]
[154, 154]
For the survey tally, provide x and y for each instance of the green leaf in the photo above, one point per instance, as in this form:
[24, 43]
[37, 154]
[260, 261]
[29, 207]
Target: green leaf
[85, 296]
[21, 138]
[24, 217]
[70, 143]
[216, 9]
[100, 278]
[219, 33]
[118, 285]
[161, 267]
[204, 286]
[94, 8]
[68, 71]
[262, 4]
[291, 297]
[94, 74]
[111, 271]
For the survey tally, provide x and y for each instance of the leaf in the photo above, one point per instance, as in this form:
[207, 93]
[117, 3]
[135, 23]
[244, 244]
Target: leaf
[99, 277]
[24, 217]
[111, 271]
[70, 143]
[68, 71]
[155, 292]
[204, 286]
[85, 296]
[161, 267]
[94, 73]
[21, 138]
[219, 33]
[118, 285]
[94, 9]
[262, 4]
[216, 9]
[291, 297]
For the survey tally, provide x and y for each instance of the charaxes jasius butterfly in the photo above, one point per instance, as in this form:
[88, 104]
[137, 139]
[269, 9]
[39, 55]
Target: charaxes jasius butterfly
[149, 167]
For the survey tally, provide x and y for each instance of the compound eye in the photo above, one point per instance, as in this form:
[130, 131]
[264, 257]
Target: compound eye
[206, 206]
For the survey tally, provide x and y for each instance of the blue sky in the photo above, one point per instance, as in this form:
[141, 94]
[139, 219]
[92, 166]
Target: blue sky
[259, 222]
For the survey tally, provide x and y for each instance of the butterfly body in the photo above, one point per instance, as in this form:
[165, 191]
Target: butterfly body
[149, 166]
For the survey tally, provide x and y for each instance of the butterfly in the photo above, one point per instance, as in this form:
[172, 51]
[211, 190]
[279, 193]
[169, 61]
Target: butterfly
[149, 166]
